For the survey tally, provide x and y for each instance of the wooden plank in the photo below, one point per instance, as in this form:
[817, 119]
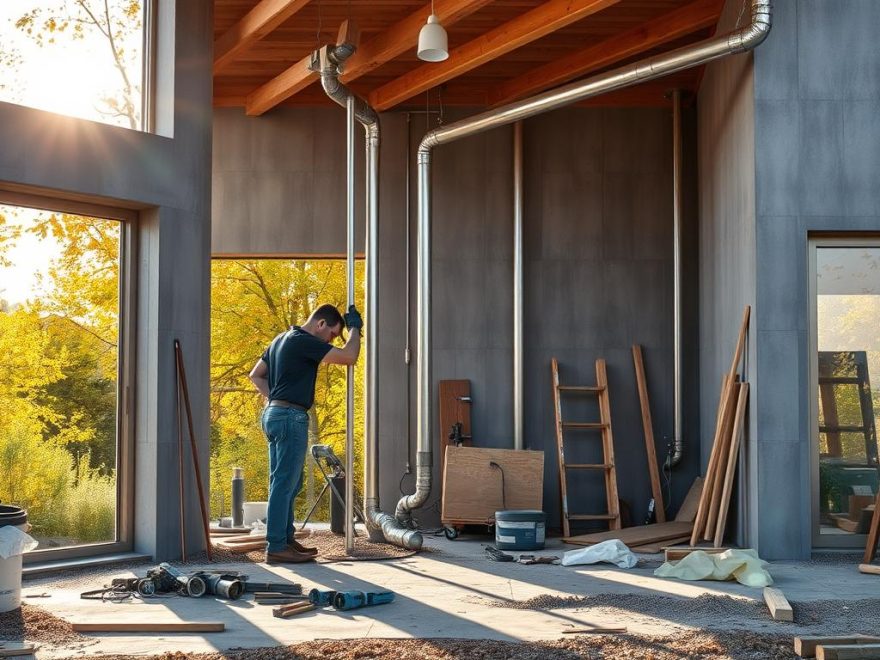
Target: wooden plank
[777, 603]
[648, 427]
[654, 548]
[848, 652]
[144, 626]
[525, 28]
[873, 532]
[668, 27]
[240, 548]
[560, 448]
[805, 646]
[287, 611]
[256, 24]
[732, 459]
[870, 569]
[593, 631]
[13, 649]
[451, 410]
[688, 509]
[472, 487]
[721, 464]
[677, 554]
[296, 78]
[703, 510]
[635, 536]
[608, 446]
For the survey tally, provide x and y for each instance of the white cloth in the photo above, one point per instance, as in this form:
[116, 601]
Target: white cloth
[744, 566]
[14, 542]
[613, 551]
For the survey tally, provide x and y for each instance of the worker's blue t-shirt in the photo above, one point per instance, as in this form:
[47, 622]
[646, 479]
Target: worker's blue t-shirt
[293, 358]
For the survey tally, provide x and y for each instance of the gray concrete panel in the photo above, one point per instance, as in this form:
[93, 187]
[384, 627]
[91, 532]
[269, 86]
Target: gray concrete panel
[822, 189]
[777, 172]
[861, 156]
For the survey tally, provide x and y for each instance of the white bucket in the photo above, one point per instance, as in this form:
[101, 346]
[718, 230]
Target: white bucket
[254, 511]
[10, 568]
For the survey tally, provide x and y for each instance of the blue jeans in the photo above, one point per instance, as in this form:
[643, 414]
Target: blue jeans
[287, 430]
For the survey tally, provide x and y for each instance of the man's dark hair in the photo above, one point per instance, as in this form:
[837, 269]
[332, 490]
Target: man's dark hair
[329, 314]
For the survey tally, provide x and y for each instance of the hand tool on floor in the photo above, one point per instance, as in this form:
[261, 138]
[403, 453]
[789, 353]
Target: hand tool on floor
[351, 600]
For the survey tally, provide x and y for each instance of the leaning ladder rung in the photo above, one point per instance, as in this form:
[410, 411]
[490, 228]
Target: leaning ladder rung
[585, 425]
[589, 466]
[592, 516]
[581, 388]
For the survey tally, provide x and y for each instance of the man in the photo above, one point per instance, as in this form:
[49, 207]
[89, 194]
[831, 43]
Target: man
[285, 375]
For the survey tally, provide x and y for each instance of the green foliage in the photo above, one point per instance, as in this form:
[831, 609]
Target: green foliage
[251, 302]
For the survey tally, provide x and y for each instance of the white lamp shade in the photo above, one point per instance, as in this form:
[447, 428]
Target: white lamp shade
[433, 45]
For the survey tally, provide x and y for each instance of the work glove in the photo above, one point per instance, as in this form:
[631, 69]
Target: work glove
[353, 319]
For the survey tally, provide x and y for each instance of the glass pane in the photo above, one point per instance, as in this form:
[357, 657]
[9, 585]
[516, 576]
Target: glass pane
[848, 324]
[59, 317]
[74, 58]
[252, 301]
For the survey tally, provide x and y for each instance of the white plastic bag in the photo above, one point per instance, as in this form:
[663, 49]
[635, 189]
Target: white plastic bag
[14, 542]
[613, 551]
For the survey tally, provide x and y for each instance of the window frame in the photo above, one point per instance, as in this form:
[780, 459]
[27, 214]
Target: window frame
[125, 394]
[814, 244]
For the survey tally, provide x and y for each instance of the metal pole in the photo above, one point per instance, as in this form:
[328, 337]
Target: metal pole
[676, 267]
[349, 370]
[518, 287]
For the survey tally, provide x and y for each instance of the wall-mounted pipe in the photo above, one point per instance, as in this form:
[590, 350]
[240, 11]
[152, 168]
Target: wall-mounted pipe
[349, 278]
[737, 41]
[518, 442]
[380, 525]
[677, 439]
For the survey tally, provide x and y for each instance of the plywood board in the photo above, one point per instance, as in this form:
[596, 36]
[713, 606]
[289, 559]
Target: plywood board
[687, 512]
[472, 487]
[660, 546]
[636, 536]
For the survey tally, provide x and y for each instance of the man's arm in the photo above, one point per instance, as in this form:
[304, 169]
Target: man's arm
[259, 376]
[348, 354]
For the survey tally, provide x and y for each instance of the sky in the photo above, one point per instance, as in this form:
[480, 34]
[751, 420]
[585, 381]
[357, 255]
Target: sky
[66, 77]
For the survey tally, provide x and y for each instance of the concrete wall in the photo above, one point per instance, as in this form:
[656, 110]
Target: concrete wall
[168, 180]
[727, 245]
[598, 266]
[817, 137]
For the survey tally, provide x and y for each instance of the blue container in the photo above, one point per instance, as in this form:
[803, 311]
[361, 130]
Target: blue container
[520, 530]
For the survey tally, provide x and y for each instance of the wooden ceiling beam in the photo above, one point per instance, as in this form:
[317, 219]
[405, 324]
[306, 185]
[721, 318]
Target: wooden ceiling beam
[280, 88]
[523, 29]
[668, 27]
[256, 24]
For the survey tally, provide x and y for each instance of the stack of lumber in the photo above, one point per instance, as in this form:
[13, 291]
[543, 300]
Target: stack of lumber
[711, 517]
[842, 647]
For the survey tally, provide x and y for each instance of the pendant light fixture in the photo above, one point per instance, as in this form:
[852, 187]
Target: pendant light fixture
[433, 44]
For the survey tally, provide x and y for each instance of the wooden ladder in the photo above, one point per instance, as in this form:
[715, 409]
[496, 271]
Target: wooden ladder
[604, 427]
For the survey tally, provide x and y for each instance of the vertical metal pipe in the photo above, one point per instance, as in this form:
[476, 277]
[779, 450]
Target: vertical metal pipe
[518, 286]
[349, 370]
[371, 403]
[678, 443]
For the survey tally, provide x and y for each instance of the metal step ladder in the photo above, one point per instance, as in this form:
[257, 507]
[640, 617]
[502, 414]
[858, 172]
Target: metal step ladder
[604, 428]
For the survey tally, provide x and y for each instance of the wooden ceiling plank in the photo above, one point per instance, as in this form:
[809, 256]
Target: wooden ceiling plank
[256, 24]
[404, 35]
[668, 27]
[280, 88]
[523, 29]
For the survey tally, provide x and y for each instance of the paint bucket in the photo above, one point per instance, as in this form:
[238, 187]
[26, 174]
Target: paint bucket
[10, 568]
[254, 511]
[520, 530]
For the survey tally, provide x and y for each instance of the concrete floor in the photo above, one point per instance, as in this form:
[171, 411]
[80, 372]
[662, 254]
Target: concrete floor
[447, 593]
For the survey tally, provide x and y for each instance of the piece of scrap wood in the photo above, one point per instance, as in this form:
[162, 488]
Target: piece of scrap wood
[292, 610]
[143, 626]
[653, 548]
[848, 652]
[777, 603]
[636, 536]
[806, 646]
[593, 631]
[676, 554]
[869, 568]
[12, 649]
[687, 512]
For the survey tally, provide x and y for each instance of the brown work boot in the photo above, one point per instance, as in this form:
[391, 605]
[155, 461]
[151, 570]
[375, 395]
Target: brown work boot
[288, 556]
[299, 547]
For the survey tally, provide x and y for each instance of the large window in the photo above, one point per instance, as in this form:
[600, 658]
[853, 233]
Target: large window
[81, 58]
[63, 287]
[846, 388]
[253, 300]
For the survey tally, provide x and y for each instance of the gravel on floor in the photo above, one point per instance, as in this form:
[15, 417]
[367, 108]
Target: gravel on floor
[34, 624]
[696, 645]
